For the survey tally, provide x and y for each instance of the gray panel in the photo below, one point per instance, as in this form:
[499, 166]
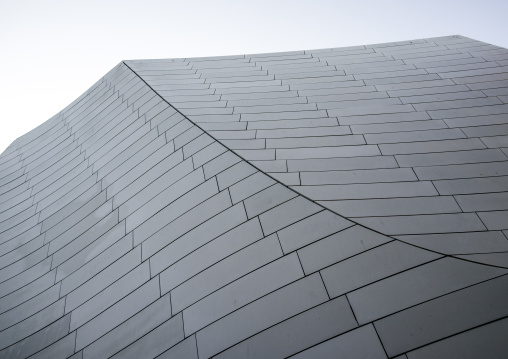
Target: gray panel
[267, 311]
[224, 272]
[322, 141]
[199, 258]
[97, 264]
[132, 329]
[286, 214]
[117, 313]
[359, 343]
[473, 185]
[29, 308]
[394, 206]
[28, 291]
[184, 349]
[241, 292]
[156, 341]
[354, 163]
[136, 212]
[460, 243]
[167, 211]
[73, 256]
[267, 199]
[103, 279]
[495, 259]
[416, 286]
[32, 324]
[298, 332]
[494, 220]
[462, 171]
[310, 230]
[25, 277]
[487, 341]
[109, 296]
[338, 247]
[63, 348]
[327, 152]
[249, 186]
[33, 343]
[372, 265]
[358, 176]
[432, 146]
[444, 316]
[431, 223]
[447, 158]
[369, 190]
[184, 223]
[152, 182]
[234, 174]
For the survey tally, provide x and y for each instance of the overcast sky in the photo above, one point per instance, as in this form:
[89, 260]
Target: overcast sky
[52, 51]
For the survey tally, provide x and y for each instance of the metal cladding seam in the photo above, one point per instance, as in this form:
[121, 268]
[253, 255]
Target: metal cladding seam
[127, 230]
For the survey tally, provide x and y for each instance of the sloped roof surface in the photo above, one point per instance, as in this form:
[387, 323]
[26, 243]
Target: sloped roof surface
[339, 202]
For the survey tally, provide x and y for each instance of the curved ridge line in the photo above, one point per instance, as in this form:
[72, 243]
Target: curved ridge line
[300, 194]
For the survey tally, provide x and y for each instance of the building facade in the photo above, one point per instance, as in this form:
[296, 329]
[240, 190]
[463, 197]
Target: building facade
[336, 203]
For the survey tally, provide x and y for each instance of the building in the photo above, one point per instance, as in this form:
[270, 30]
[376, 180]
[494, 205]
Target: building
[347, 202]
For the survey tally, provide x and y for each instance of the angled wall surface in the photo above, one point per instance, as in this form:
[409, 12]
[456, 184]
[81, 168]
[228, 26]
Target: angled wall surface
[348, 202]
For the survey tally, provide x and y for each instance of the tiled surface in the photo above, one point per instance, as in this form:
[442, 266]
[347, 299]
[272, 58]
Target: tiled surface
[292, 204]
[414, 109]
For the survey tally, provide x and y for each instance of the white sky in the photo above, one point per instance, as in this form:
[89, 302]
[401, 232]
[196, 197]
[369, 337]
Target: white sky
[52, 51]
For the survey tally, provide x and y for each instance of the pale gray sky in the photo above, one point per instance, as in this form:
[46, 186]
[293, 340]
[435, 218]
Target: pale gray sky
[52, 51]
